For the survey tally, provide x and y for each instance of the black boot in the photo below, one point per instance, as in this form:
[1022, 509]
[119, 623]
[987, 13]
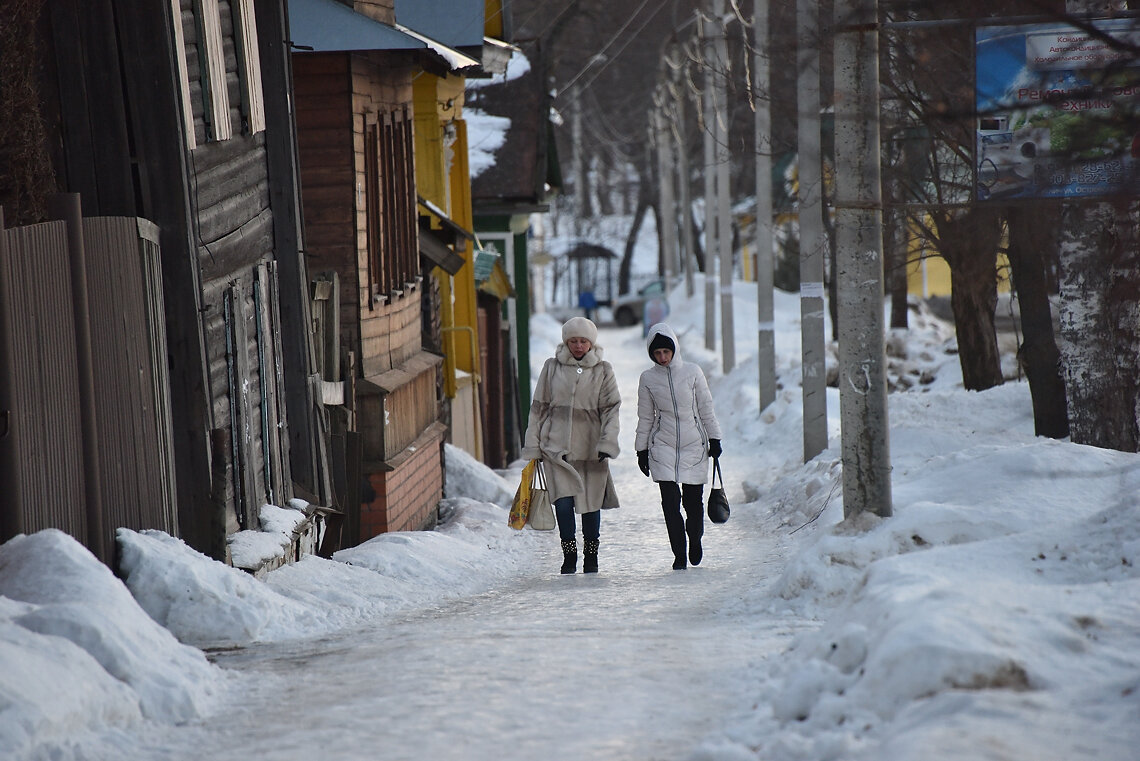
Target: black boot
[691, 499]
[590, 556]
[676, 527]
[695, 551]
[569, 555]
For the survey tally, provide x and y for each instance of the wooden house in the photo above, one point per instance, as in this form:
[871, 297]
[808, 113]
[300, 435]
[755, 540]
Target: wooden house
[472, 361]
[359, 147]
[175, 116]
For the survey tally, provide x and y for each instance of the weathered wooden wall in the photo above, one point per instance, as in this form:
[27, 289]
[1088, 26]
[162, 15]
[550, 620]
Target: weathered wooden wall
[233, 226]
[355, 140]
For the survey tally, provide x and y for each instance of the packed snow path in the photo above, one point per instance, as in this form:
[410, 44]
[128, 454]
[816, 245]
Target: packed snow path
[636, 662]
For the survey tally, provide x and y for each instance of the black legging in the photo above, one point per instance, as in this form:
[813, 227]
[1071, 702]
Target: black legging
[673, 497]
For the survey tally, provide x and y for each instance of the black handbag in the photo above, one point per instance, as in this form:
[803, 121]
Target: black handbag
[718, 503]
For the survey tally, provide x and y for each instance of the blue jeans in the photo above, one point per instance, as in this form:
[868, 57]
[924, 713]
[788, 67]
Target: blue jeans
[564, 512]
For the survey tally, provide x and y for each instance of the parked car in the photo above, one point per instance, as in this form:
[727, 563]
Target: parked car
[629, 309]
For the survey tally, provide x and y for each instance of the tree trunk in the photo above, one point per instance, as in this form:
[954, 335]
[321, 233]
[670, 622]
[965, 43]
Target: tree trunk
[1034, 243]
[698, 250]
[1100, 315]
[643, 205]
[894, 260]
[832, 266]
[969, 243]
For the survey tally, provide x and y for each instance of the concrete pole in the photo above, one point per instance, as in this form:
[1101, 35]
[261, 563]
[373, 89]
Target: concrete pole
[579, 164]
[684, 189]
[708, 119]
[662, 143]
[859, 261]
[765, 267]
[813, 243]
[723, 192]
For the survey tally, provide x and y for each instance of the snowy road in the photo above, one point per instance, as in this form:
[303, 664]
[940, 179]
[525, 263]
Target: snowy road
[636, 662]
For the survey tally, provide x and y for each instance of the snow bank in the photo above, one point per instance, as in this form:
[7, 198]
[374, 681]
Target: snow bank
[467, 477]
[205, 603]
[208, 604]
[999, 601]
[78, 651]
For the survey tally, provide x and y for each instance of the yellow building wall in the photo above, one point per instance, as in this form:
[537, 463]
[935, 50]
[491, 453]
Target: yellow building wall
[438, 106]
[466, 303]
[443, 177]
[493, 19]
[928, 274]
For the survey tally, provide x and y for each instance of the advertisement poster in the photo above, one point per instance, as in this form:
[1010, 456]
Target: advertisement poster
[1058, 110]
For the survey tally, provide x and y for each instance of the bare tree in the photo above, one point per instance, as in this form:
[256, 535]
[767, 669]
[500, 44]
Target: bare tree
[1033, 252]
[931, 95]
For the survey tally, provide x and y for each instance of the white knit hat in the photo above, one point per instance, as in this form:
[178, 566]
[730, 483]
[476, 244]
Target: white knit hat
[580, 327]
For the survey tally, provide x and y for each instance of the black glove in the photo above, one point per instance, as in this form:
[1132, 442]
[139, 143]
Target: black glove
[643, 461]
[714, 448]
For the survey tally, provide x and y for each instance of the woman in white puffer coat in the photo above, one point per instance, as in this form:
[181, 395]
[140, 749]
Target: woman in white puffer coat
[677, 431]
[573, 429]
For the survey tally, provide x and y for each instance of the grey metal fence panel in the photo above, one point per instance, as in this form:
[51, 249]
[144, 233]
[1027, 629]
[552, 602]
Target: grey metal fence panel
[41, 453]
[42, 469]
[131, 385]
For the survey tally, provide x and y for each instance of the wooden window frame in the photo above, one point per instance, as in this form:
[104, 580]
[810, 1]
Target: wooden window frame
[183, 74]
[212, 55]
[249, 64]
[372, 211]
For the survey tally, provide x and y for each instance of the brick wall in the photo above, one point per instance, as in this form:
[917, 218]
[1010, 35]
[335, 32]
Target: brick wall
[407, 497]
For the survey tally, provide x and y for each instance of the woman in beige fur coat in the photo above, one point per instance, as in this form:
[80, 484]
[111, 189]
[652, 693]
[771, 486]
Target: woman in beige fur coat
[573, 429]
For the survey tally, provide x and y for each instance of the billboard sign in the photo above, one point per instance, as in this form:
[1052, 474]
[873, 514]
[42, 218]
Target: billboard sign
[1058, 110]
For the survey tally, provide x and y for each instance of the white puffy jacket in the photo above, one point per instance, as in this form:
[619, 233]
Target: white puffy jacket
[675, 417]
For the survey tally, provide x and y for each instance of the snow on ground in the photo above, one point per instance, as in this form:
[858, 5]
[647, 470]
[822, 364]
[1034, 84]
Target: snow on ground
[995, 615]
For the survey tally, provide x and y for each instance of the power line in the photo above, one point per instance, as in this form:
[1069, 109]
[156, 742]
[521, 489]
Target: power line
[613, 39]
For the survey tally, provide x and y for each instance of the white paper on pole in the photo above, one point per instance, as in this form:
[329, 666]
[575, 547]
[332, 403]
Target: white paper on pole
[811, 290]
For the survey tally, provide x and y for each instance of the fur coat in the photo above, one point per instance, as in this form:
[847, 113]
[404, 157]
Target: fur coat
[574, 418]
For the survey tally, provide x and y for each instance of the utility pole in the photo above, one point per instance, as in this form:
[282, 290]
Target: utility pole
[812, 239]
[579, 164]
[708, 118]
[859, 262]
[667, 219]
[682, 143]
[762, 144]
[724, 195]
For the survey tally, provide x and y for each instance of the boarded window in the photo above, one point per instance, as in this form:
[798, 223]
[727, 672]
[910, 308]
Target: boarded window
[391, 204]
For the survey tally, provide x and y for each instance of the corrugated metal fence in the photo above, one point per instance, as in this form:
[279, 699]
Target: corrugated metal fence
[85, 432]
